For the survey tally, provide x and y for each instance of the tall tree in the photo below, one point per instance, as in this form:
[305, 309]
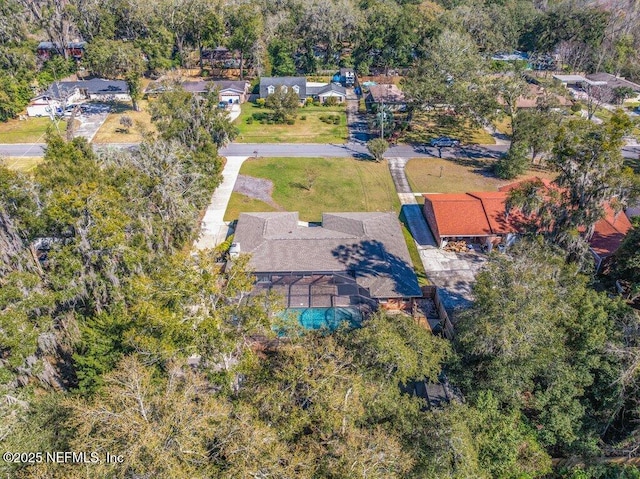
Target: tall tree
[591, 175]
[246, 26]
[451, 77]
[118, 59]
[283, 103]
[537, 336]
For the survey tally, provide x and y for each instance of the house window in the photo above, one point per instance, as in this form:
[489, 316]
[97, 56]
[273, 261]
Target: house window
[271, 89]
[296, 88]
[284, 89]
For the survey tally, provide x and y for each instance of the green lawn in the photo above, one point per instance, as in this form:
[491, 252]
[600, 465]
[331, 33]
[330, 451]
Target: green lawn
[31, 130]
[458, 176]
[23, 164]
[418, 267]
[312, 186]
[239, 203]
[111, 130]
[309, 130]
[503, 125]
[426, 126]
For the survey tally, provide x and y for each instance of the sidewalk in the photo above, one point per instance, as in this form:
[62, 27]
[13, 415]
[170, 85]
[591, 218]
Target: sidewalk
[213, 229]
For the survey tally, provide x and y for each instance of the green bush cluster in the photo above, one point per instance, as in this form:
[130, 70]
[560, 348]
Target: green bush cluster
[329, 119]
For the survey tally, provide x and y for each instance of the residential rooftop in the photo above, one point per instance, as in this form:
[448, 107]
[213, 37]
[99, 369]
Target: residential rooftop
[370, 246]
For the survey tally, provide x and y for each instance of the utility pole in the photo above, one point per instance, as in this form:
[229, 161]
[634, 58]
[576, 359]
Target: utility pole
[382, 121]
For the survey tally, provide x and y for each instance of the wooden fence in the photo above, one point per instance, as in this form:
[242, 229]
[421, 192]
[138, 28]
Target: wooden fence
[431, 292]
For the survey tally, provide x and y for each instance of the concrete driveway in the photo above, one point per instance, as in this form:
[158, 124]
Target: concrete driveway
[453, 273]
[91, 118]
[213, 229]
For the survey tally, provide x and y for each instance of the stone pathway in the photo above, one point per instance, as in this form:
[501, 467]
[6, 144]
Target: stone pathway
[213, 229]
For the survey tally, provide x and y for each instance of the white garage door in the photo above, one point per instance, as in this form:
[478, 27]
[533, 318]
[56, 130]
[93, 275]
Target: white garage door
[230, 98]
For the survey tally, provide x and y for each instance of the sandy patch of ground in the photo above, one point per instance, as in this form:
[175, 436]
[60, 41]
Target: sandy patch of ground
[257, 188]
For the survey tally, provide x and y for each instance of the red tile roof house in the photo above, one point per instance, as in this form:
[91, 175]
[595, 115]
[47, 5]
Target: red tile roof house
[481, 218]
[476, 217]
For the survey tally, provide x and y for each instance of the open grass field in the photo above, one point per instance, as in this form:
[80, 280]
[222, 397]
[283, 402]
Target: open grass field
[458, 176]
[111, 130]
[31, 130]
[312, 186]
[425, 127]
[23, 164]
[309, 130]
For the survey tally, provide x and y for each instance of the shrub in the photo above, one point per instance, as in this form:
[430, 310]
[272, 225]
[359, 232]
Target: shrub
[290, 121]
[308, 101]
[269, 122]
[260, 102]
[336, 120]
[576, 107]
[316, 103]
[331, 101]
[249, 120]
[303, 117]
[126, 123]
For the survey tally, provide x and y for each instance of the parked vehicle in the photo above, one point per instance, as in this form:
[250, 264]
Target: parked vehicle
[443, 142]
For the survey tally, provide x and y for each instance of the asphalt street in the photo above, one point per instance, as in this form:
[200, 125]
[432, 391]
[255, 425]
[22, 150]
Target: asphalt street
[354, 149]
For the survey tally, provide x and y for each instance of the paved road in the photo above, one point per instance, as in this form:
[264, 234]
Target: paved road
[357, 150]
[314, 149]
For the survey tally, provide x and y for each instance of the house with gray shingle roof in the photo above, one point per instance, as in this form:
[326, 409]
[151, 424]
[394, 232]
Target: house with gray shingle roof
[304, 89]
[268, 85]
[325, 91]
[367, 251]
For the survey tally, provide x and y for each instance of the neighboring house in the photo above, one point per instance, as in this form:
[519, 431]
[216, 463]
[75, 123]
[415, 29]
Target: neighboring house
[515, 56]
[613, 82]
[570, 80]
[535, 94]
[64, 93]
[323, 91]
[351, 260]
[474, 217]
[73, 50]
[268, 86]
[304, 89]
[388, 94]
[482, 218]
[229, 91]
[608, 235]
[219, 57]
[347, 77]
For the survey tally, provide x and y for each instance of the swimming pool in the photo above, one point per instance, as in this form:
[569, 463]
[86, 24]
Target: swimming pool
[325, 318]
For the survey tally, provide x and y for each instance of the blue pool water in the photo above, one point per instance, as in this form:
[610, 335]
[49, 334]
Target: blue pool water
[327, 318]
